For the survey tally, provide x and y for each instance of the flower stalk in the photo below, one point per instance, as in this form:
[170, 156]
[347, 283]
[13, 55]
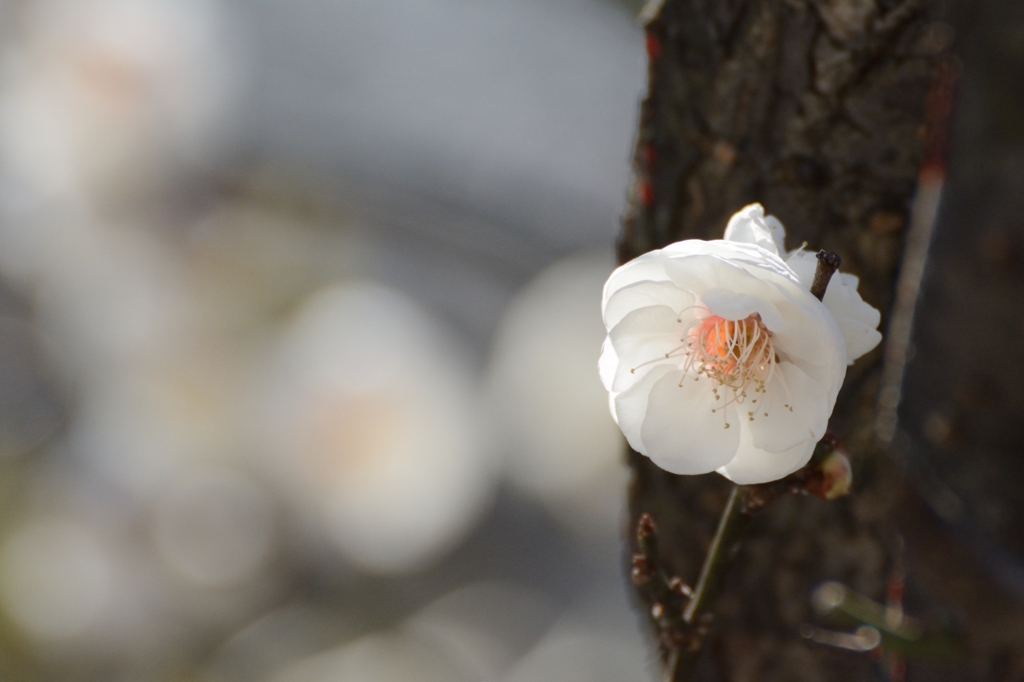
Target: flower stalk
[683, 616]
[700, 610]
[723, 548]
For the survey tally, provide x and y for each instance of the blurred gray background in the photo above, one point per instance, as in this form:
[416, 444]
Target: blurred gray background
[298, 331]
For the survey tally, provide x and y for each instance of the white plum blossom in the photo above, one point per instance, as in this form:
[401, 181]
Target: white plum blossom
[718, 357]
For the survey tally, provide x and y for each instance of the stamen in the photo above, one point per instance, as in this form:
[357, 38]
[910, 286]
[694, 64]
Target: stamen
[735, 354]
[649, 362]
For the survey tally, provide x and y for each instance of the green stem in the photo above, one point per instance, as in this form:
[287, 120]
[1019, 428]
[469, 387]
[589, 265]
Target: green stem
[682, 665]
[720, 554]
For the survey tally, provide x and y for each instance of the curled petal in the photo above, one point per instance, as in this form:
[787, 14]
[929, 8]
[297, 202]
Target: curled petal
[746, 257]
[643, 339]
[642, 295]
[732, 305]
[860, 337]
[681, 433]
[750, 225]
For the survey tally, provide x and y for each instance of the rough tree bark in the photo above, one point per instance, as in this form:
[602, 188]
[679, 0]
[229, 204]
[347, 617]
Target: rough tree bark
[815, 108]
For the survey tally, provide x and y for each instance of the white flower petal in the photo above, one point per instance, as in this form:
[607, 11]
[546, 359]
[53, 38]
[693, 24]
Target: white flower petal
[753, 465]
[810, 334]
[844, 302]
[607, 364]
[748, 257]
[860, 338]
[649, 267]
[829, 376]
[643, 294]
[642, 340]
[629, 408]
[803, 264]
[650, 306]
[680, 432]
[750, 225]
[778, 231]
[732, 305]
[783, 427]
[699, 273]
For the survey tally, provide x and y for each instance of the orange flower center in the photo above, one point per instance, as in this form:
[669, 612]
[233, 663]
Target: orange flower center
[735, 354]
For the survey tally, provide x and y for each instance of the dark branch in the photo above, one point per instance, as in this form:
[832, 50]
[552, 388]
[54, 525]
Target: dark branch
[828, 263]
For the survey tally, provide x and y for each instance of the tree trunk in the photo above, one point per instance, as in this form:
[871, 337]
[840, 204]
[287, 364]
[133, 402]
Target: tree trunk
[816, 109]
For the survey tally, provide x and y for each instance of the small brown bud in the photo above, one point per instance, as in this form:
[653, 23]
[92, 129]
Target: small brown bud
[645, 526]
[836, 477]
[642, 570]
[679, 587]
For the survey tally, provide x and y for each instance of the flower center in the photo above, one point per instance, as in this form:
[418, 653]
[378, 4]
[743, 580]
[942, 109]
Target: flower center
[736, 354]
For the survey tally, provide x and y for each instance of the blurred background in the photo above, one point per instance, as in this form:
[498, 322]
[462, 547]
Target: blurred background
[299, 316]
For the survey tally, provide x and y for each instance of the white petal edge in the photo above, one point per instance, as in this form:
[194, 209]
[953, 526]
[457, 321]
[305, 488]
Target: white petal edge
[643, 294]
[860, 338]
[747, 257]
[629, 407]
[752, 465]
[607, 364]
[650, 267]
[750, 225]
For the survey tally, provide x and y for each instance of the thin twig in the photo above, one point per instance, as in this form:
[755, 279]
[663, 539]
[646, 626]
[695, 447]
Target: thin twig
[682, 665]
[671, 666]
[709, 584]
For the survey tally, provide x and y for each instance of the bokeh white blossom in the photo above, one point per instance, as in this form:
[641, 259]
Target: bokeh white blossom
[548, 406]
[718, 357]
[371, 417]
